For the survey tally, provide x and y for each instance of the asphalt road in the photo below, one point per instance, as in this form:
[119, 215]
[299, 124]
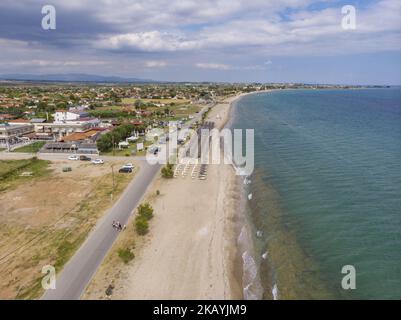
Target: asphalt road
[77, 273]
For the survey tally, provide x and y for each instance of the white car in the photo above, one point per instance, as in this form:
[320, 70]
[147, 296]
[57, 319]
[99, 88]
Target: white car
[128, 165]
[97, 161]
[73, 157]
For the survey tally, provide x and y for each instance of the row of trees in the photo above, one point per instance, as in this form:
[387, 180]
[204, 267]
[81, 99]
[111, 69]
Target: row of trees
[107, 141]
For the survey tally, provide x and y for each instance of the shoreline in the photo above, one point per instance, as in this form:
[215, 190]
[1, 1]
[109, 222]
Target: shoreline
[246, 270]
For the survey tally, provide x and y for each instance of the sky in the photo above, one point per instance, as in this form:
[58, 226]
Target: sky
[219, 40]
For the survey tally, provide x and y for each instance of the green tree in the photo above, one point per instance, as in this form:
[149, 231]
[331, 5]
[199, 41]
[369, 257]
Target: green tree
[141, 225]
[138, 104]
[105, 143]
[145, 210]
[167, 171]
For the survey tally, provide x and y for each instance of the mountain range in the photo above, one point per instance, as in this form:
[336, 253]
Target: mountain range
[71, 77]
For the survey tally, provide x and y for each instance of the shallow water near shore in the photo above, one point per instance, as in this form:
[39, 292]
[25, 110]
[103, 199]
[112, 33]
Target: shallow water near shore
[326, 191]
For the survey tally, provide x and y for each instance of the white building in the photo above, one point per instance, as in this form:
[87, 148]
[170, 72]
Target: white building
[62, 116]
[61, 129]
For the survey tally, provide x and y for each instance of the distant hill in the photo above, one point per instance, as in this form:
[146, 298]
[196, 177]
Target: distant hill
[71, 77]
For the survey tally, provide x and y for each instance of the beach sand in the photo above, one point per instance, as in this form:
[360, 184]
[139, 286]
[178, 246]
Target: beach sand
[190, 251]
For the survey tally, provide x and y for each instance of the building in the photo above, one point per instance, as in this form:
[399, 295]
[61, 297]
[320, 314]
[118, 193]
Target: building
[11, 134]
[62, 116]
[90, 135]
[70, 147]
[60, 129]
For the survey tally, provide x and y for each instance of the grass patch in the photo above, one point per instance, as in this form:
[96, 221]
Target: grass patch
[11, 170]
[31, 148]
[31, 290]
[126, 255]
[165, 101]
[66, 249]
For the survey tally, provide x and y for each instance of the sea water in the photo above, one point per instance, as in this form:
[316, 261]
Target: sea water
[326, 192]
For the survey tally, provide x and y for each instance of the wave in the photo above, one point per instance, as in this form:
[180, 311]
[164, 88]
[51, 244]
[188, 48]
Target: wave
[275, 292]
[253, 289]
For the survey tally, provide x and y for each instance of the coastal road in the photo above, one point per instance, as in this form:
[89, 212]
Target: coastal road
[77, 273]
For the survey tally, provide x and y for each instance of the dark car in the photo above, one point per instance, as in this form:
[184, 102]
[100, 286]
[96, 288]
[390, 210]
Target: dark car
[156, 151]
[84, 158]
[125, 170]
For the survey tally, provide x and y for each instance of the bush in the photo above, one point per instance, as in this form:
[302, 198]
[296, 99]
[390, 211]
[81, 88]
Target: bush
[145, 211]
[126, 255]
[167, 171]
[141, 225]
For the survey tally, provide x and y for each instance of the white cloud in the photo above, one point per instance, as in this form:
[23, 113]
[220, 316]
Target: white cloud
[302, 32]
[214, 66]
[155, 64]
[52, 63]
[221, 66]
[148, 41]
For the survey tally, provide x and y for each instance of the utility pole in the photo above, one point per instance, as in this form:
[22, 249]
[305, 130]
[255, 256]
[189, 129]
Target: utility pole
[112, 174]
[112, 141]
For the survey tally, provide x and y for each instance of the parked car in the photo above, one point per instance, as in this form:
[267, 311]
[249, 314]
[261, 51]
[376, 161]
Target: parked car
[97, 161]
[125, 170]
[73, 157]
[84, 158]
[128, 165]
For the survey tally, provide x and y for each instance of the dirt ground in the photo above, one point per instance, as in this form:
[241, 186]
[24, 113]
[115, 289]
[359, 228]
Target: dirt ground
[44, 220]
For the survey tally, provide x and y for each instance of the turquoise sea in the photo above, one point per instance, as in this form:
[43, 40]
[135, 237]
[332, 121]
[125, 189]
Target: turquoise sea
[326, 191]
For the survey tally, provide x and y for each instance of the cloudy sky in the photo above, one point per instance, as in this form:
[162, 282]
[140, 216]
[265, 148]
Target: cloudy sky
[220, 40]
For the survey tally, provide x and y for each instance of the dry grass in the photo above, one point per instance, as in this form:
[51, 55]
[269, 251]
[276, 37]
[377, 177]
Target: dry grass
[46, 220]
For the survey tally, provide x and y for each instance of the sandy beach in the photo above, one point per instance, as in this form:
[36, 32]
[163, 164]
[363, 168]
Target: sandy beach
[190, 251]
